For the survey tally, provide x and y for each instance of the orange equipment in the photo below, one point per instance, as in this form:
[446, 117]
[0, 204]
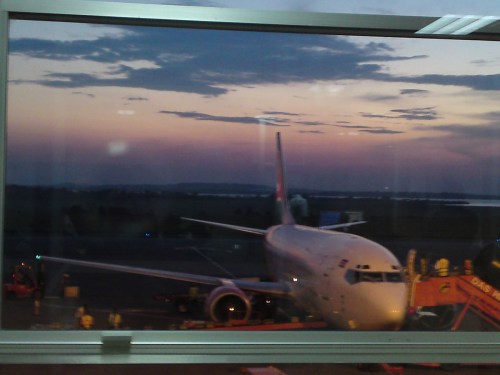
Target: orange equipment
[476, 295]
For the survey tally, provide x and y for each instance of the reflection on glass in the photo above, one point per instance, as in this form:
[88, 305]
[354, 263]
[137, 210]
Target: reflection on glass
[146, 185]
[406, 8]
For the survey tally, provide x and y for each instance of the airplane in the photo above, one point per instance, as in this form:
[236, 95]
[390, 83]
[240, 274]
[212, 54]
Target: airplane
[348, 281]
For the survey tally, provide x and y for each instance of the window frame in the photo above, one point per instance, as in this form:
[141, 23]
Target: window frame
[145, 347]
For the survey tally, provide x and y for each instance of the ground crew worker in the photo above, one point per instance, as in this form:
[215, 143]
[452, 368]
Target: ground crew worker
[37, 302]
[468, 267]
[424, 266]
[442, 267]
[37, 306]
[114, 319]
[78, 315]
[64, 284]
[87, 320]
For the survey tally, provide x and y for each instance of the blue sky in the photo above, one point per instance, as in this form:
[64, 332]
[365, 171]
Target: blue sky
[106, 104]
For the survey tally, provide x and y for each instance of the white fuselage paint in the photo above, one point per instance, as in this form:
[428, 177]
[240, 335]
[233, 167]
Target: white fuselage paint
[315, 264]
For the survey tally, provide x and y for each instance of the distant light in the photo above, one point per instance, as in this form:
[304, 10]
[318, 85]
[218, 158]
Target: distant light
[117, 148]
[123, 112]
[231, 308]
[295, 279]
[38, 257]
[452, 24]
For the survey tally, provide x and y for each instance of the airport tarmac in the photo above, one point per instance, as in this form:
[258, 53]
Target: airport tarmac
[134, 296]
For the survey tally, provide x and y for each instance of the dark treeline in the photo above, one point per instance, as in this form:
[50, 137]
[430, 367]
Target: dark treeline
[139, 212]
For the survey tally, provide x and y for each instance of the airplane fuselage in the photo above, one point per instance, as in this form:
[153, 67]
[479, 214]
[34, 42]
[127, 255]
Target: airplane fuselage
[346, 280]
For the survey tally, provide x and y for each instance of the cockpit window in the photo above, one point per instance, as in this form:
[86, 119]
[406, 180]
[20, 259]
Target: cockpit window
[393, 277]
[356, 276]
[374, 277]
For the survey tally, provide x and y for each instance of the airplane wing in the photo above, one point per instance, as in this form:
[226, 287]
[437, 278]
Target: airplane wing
[344, 225]
[272, 288]
[228, 226]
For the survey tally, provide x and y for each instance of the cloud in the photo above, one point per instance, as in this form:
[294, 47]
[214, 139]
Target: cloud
[83, 93]
[353, 126]
[206, 62]
[233, 119]
[381, 131]
[310, 123]
[370, 129]
[467, 132]
[492, 116]
[136, 98]
[427, 113]
[311, 132]
[268, 119]
[281, 113]
[413, 92]
[485, 82]
[206, 117]
[421, 114]
[380, 98]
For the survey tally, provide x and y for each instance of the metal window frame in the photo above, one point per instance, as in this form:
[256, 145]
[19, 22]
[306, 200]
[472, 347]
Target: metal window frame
[176, 347]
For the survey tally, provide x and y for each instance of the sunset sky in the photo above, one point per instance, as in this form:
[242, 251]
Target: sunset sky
[92, 104]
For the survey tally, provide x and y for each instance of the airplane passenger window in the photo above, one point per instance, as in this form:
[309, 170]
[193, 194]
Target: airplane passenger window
[146, 185]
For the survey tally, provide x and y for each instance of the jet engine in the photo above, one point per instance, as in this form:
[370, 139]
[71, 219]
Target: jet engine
[228, 303]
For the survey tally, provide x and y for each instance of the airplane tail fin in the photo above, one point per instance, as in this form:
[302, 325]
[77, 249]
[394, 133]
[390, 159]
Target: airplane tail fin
[281, 190]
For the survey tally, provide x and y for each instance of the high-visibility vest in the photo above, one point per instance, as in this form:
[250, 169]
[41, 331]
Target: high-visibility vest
[442, 267]
[115, 320]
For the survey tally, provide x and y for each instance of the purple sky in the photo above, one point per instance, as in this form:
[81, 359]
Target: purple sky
[103, 105]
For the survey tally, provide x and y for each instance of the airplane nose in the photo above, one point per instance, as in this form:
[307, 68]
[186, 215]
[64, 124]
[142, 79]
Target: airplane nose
[388, 310]
[395, 317]
[393, 310]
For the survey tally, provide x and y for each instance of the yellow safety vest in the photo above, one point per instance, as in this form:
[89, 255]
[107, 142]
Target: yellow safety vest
[87, 321]
[442, 267]
[115, 320]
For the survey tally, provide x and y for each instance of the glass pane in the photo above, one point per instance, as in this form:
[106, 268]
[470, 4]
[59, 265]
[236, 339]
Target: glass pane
[116, 135]
[387, 7]
[261, 369]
